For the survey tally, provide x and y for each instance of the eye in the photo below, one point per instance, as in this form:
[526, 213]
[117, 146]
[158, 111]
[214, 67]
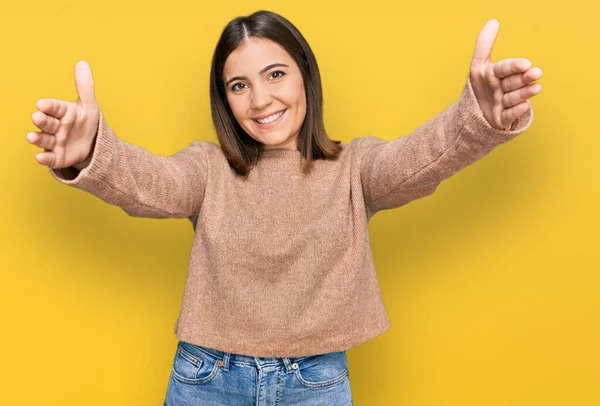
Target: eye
[233, 88]
[278, 71]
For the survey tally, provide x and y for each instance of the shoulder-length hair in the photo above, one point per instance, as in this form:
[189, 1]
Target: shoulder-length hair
[241, 150]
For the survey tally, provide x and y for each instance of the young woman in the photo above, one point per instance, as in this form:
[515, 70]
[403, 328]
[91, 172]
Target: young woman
[281, 280]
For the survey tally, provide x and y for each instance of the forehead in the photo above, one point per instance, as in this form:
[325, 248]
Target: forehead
[253, 55]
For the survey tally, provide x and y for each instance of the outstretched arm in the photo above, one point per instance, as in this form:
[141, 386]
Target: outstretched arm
[492, 109]
[80, 150]
[139, 182]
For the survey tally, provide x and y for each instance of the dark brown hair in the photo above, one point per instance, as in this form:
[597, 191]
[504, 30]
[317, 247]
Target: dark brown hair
[241, 150]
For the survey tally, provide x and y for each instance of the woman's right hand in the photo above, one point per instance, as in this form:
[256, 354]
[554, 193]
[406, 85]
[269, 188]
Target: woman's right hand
[68, 129]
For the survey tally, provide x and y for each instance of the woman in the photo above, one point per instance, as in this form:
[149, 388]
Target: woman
[281, 280]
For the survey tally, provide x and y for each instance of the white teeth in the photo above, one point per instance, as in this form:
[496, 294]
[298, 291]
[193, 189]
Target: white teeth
[270, 118]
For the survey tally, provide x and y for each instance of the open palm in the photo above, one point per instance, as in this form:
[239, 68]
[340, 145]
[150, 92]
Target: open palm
[68, 129]
[502, 88]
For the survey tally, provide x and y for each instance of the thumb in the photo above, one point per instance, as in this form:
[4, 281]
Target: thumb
[485, 42]
[84, 82]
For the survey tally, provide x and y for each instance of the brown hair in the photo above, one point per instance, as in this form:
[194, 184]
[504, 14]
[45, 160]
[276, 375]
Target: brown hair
[241, 150]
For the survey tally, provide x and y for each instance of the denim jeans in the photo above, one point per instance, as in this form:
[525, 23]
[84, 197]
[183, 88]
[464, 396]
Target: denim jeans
[203, 376]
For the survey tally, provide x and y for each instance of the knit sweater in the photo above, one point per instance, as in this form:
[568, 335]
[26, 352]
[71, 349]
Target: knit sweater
[281, 264]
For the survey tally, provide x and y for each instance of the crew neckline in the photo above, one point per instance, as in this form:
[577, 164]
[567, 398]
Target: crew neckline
[279, 152]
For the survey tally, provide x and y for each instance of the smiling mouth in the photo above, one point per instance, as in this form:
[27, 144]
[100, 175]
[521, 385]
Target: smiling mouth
[273, 118]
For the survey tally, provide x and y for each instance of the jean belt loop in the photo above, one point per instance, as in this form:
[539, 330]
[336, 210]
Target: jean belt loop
[226, 356]
[288, 364]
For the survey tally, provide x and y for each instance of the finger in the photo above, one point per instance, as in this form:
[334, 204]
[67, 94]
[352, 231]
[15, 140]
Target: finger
[485, 42]
[520, 95]
[42, 140]
[45, 123]
[510, 66]
[52, 107]
[46, 158]
[511, 114]
[84, 82]
[519, 80]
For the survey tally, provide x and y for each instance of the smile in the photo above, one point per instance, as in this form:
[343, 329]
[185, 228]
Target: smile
[274, 118]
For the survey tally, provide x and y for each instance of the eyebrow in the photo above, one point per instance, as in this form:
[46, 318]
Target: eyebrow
[263, 70]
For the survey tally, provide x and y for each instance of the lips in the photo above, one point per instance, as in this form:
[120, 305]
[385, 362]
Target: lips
[268, 115]
[273, 123]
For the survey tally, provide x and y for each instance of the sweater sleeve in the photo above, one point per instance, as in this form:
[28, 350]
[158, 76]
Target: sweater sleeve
[139, 182]
[406, 168]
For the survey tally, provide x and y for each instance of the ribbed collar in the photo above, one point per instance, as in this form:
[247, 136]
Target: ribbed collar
[280, 153]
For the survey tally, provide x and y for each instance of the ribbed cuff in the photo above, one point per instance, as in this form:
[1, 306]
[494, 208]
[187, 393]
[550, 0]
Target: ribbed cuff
[102, 155]
[476, 127]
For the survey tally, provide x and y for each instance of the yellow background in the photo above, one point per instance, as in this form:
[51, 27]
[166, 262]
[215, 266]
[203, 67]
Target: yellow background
[491, 283]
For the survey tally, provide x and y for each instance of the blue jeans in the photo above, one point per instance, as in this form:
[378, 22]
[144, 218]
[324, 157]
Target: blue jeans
[203, 376]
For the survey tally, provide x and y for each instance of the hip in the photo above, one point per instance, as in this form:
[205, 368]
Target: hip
[205, 376]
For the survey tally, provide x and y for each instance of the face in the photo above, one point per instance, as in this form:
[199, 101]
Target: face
[265, 91]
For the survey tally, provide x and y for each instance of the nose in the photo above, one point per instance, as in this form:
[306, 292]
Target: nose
[260, 98]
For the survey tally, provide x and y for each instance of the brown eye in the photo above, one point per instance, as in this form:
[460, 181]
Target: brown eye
[233, 88]
[278, 71]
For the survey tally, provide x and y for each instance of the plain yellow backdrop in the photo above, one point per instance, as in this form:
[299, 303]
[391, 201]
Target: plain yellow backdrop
[491, 283]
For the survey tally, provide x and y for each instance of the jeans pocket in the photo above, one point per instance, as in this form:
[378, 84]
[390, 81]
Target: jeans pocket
[192, 365]
[322, 370]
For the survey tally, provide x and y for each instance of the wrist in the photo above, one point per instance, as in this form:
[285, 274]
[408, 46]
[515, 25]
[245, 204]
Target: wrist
[80, 166]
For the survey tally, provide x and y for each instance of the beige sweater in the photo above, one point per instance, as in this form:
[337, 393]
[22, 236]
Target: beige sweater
[281, 264]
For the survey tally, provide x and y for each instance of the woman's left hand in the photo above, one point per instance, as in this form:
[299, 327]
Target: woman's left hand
[501, 88]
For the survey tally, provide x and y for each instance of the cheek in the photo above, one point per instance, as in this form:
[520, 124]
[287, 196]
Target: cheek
[294, 95]
[301, 96]
[303, 101]
[302, 105]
